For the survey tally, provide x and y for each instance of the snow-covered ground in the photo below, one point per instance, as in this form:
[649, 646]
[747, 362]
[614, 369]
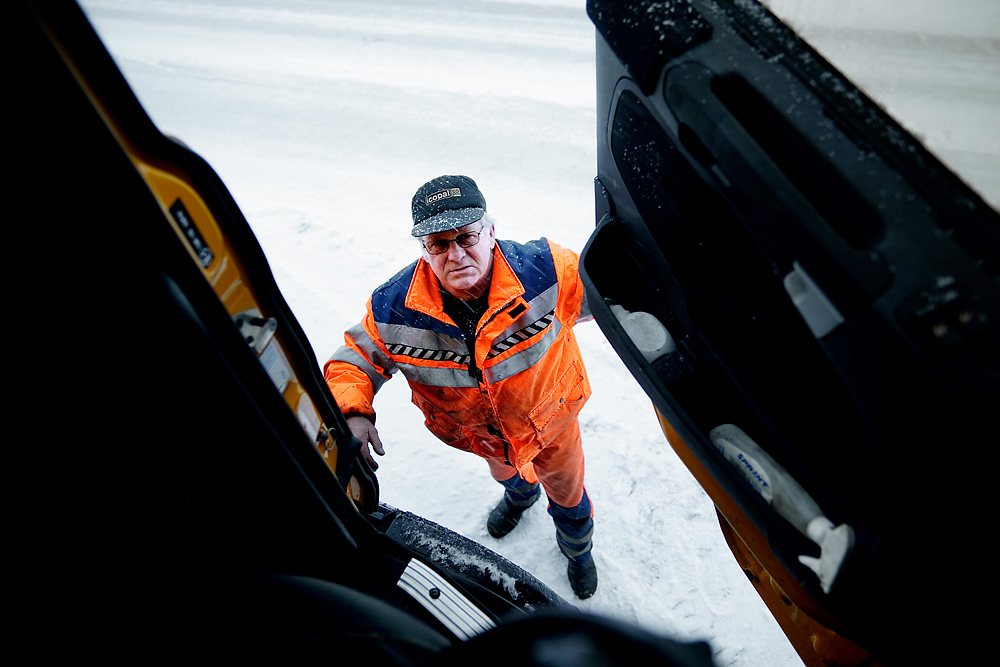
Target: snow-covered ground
[323, 117]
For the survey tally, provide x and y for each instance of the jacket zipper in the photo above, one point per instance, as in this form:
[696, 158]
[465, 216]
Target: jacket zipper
[506, 445]
[479, 376]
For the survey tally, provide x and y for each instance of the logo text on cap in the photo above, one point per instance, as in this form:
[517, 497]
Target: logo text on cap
[443, 194]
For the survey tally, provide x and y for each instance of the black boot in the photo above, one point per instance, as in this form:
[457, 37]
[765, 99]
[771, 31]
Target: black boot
[506, 514]
[583, 577]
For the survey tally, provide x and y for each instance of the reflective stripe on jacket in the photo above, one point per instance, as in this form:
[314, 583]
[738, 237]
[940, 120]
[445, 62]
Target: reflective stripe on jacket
[532, 382]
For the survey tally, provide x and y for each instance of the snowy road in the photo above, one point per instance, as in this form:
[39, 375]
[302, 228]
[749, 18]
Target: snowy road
[323, 116]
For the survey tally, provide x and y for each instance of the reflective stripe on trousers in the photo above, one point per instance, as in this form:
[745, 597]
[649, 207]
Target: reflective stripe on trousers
[574, 525]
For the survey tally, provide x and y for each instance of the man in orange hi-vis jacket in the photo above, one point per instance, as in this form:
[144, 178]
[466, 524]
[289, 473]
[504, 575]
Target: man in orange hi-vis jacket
[482, 331]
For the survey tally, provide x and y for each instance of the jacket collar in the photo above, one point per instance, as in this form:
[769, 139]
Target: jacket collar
[424, 293]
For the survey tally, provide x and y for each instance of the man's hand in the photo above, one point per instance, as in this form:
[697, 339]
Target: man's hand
[366, 434]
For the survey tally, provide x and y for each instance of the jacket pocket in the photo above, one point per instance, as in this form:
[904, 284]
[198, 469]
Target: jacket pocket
[445, 428]
[561, 405]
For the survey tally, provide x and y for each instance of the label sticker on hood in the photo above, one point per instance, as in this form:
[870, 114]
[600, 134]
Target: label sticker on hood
[191, 234]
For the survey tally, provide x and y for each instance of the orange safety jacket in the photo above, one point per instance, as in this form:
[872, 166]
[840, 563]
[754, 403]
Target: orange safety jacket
[527, 382]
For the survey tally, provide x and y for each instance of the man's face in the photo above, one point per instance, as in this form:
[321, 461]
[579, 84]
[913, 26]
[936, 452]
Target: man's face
[464, 272]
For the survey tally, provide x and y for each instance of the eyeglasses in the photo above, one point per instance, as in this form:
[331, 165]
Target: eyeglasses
[440, 246]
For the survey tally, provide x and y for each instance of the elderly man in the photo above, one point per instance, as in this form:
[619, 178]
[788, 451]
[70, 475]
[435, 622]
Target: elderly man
[482, 331]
